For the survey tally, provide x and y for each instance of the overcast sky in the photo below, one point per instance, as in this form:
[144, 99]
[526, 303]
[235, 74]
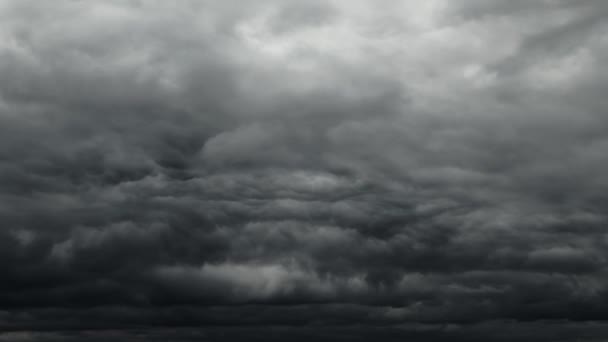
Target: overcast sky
[304, 170]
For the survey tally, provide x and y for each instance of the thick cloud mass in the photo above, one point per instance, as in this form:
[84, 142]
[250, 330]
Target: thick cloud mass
[437, 168]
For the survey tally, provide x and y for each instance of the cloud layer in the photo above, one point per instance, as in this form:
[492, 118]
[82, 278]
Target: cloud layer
[294, 163]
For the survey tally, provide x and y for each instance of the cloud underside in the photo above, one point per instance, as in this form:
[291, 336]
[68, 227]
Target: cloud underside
[290, 162]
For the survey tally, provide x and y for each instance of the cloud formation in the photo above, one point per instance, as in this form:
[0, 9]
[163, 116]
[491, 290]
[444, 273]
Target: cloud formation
[338, 163]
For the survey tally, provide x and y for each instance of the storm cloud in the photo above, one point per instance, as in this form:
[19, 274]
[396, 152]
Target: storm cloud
[405, 169]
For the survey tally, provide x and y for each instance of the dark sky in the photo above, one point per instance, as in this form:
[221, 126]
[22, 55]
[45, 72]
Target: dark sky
[302, 170]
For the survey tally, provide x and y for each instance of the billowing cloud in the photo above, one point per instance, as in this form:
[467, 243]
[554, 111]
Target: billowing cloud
[436, 167]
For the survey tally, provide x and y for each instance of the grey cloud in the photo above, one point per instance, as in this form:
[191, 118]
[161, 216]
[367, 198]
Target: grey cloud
[289, 163]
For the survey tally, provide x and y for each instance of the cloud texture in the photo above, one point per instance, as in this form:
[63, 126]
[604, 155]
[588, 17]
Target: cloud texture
[437, 167]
